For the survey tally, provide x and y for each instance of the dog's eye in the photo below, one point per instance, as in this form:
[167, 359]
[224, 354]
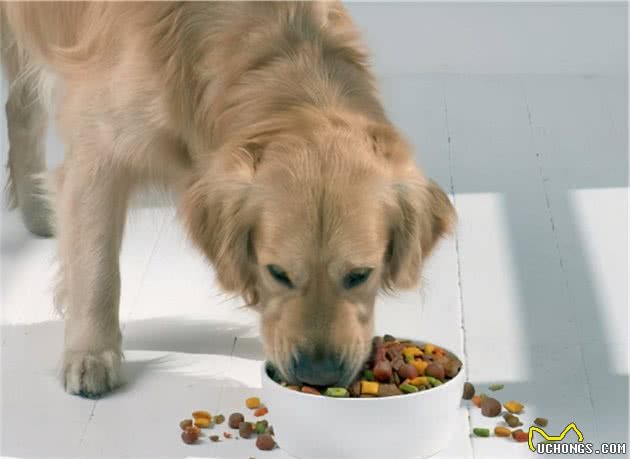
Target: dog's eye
[279, 275]
[356, 277]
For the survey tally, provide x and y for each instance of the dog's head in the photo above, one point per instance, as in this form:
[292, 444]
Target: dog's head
[310, 229]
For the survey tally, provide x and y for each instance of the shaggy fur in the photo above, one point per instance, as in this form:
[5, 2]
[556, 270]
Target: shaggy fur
[263, 118]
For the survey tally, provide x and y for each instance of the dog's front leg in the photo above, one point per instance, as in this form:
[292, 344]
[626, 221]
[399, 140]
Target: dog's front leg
[92, 210]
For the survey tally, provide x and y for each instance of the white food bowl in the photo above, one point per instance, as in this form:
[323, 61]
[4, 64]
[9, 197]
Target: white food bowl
[410, 426]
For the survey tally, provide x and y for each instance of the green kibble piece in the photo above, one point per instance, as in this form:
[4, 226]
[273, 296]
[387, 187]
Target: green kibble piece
[408, 388]
[368, 375]
[480, 432]
[336, 392]
[261, 427]
[494, 387]
[434, 381]
[409, 358]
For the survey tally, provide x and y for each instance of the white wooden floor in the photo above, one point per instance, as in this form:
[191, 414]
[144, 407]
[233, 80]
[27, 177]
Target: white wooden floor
[533, 290]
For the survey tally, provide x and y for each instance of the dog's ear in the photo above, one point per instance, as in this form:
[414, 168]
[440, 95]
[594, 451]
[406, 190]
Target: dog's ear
[219, 212]
[419, 212]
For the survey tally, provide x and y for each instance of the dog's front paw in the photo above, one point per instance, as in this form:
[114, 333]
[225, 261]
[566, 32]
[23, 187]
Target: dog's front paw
[91, 374]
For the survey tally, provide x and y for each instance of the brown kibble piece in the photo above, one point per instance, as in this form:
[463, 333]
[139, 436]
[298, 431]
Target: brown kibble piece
[490, 407]
[214, 438]
[219, 418]
[265, 442]
[190, 435]
[227, 434]
[355, 389]
[469, 391]
[542, 422]
[511, 420]
[245, 429]
[407, 371]
[382, 371]
[452, 368]
[387, 390]
[185, 424]
[435, 370]
[235, 420]
[500, 431]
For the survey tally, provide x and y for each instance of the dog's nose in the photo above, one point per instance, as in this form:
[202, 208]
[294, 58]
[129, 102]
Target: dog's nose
[318, 370]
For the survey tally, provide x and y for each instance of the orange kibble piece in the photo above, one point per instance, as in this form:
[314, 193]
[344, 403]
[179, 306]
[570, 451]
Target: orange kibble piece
[252, 403]
[513, 406]
[261, 411]
[412, 351]
[520, 436]
[420, 365]
[477, 401]
[202, 422]
[501, 431]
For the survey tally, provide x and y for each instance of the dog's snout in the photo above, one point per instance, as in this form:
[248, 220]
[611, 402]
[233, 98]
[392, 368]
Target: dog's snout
[318, 369]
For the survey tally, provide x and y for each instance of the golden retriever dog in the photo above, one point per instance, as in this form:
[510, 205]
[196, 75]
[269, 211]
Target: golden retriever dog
[263, 118]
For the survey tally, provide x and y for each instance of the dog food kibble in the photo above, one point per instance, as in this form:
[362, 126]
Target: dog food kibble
[336, 392]
[407, 371]
[201, 414]
[310, 390]
[383, 371]
[513, 406]
[252, 403]
[495, 387]
[227, 435]
[490, 407]
[394, 367]
[190, 435]
[261, 427]
[480, 432]
[436, 370]
[185, 424]
[469, 391]
[265, 442]
[511, 420]
[500, 431]
[261, 411]
[542, 422]
[202, 422]
[235, 420]
[245, 429]
[520, 436]
[219, 418]
[477, 401]
[214, 438]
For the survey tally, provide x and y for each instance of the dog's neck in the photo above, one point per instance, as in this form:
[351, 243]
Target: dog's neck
[296, 58]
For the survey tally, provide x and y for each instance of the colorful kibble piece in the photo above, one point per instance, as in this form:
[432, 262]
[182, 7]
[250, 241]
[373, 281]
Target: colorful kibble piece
[368, 375]
[336, 392]
[477, 401]
[407, 371]
[383, 371]
[185, 424]
[436, 370]
[542, 422]
[495, 387]
[202, 422]
[481, 432]
[490, 407]
[434, 382]
[501, 431]
[310, 390]
[261, 427]
[469, 391]
[190, 436]
[408, 388]
[369, 387]
[419, 381]
[520, 436]
[387, 390]
[420, 365]
[412, 351]
[235, 420]
[511, 420]
[245, 429]
[513, 406]
[219, 418]
[252, 403]
[261, 411]
[265, 442]
[429, 348]
[201, 414]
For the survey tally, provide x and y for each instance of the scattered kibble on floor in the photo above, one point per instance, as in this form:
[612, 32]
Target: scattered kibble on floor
[490, 407]
[513, 406]
[542, 422]
[252, 403]
[501, 431]
[469, 391]
[495, 387]
[481, 432]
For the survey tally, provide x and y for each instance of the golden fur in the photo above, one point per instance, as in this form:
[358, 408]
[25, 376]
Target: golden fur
[263, 118]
